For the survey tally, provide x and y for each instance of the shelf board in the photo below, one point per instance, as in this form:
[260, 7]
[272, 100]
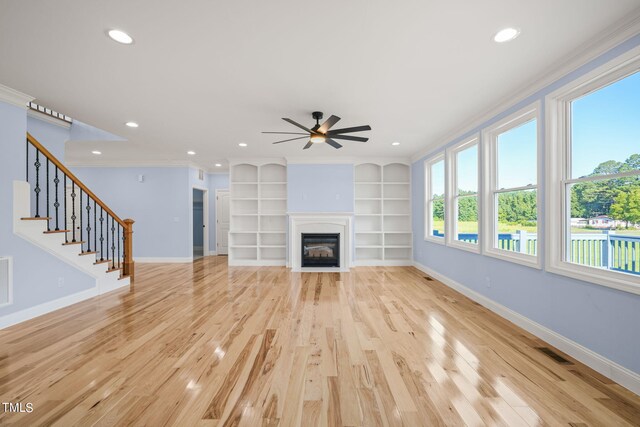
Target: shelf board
[273, 246]
[369, 246]
[368, 182]
[242, 246]
[396, 198]
[371, 214]
[273, 198]
[396, 182]
[398, 232]
[272, 214]
[272, 232]
[244, 182]
[244, 214]
[368, 232]
[242, 232]
[274, 182]
[397, 247]
[396, 214]
[368, 198]
[244, 198]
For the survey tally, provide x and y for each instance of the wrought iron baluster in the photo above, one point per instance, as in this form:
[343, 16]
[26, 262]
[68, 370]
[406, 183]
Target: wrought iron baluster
[66, 235]
[37, 164]
[73, 211]
[80, 213]
[107, 228]
[95, 231]
[118, 245]
[47, 187]
[88, 208]
[113, 244]
[124, 249]
[101, 235]
[56, 203]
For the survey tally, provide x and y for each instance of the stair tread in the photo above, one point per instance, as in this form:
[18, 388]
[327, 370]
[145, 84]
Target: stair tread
[33, 218]
[111, 270]
[88, 253]
[102, 261]
[79, 242]
[56, 231]
[125, 276]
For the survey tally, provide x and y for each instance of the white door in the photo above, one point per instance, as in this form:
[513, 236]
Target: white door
[222, 222]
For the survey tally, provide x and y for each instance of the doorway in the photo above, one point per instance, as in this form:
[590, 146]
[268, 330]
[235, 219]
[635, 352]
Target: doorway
[199, 221]
[222, 222]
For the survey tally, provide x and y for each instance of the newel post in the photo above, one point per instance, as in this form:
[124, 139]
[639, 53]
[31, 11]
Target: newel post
[129, 267]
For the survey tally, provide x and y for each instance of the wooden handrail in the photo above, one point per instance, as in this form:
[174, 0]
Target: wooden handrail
[74, 178]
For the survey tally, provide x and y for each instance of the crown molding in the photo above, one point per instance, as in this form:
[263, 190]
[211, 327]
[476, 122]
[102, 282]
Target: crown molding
[45, 118]
[142, 164]
[598, 45]
[14, 97]
[345, 160]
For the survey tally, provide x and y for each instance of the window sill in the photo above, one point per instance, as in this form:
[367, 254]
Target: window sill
[515, 257]
[610, 279]
[439, 240]
[469, 247]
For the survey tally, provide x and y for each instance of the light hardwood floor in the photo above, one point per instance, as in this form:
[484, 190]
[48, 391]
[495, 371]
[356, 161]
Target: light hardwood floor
[204, 344]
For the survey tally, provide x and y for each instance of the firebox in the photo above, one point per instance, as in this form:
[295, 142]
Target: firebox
[320, 250]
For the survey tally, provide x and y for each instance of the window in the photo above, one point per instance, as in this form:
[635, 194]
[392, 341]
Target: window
[463, 204]
[511, 188]
[594, 191]
[434, 199]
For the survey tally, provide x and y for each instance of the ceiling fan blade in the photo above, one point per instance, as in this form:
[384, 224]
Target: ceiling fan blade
[332, 143]
[297, 124]
[350, 138]
[349, 130]
[309, 144]
[287, 133]
[327, 125]
[292, 139]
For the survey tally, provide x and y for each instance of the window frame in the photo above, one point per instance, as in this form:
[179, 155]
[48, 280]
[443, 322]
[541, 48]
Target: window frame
[451, 223]
[428, 203]
[490, 174]
[558, 161]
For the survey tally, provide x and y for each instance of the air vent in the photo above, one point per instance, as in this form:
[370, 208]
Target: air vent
[5, 281]
[555, 356]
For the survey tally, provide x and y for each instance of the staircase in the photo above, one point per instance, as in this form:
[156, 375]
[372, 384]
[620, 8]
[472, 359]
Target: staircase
[54, 210]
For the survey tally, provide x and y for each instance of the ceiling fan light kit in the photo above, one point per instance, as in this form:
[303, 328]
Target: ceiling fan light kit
[320, 133]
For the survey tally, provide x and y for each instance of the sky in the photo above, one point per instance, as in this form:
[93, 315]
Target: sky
[605, 126]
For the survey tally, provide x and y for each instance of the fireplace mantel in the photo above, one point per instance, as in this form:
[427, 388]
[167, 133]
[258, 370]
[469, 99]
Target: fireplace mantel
[320, 222]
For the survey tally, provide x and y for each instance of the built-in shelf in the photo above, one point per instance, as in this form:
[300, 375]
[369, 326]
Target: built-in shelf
[258, 203]
[383, 212]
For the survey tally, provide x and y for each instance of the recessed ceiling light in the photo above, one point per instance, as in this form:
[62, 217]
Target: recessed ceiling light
[96, 152]
[120, 36]
[191, 153]
[242, 144]
[217, 165]
[506, 34]
[395, 143]
[132, 124]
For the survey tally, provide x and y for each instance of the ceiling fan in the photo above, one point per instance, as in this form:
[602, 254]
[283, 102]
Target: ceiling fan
[320, 133]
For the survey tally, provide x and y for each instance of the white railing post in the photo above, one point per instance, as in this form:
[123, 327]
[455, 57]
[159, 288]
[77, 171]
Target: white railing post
[523, 237]
[607, 250]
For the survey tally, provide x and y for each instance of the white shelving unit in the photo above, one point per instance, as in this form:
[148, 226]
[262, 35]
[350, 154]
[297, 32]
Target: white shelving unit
[257, 234]
[383, 214]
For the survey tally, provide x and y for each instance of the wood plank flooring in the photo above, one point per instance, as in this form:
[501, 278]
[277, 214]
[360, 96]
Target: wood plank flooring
[207, 345]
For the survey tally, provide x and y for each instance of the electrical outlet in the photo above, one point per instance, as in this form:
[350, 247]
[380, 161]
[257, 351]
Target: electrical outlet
[60, 281]
[487, 281]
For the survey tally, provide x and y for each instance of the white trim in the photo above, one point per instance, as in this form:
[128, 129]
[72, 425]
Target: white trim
[428, 226]
[558, 172]
[451, 206]
[598, 45]
[489, 167]
[9, 280]
[160, 260]
[57, 304]
[14, 97]
[205, 217]
[47, 118]
[347, 160]
[213, 253]
[145, 164]
[595, 361]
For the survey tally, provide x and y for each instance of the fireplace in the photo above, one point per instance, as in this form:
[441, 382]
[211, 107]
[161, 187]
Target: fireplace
[320, 249]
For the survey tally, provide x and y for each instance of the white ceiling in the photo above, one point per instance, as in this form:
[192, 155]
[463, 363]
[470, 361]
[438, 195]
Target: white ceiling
[205, 75]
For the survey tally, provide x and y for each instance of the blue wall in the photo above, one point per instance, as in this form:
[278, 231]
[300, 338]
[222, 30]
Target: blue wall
[36, 273]
[160, 205]
[602, 319]
[320, 188]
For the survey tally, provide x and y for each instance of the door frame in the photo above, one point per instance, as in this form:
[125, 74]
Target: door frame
[205, 219]
[220, 190]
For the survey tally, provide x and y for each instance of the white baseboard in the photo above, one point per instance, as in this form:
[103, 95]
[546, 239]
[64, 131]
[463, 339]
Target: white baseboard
[597, 362]
[213, 253]
[156, 260]
[57, 304]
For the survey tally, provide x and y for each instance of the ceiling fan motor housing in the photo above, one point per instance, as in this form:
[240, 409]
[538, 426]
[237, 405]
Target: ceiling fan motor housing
[317, 115]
